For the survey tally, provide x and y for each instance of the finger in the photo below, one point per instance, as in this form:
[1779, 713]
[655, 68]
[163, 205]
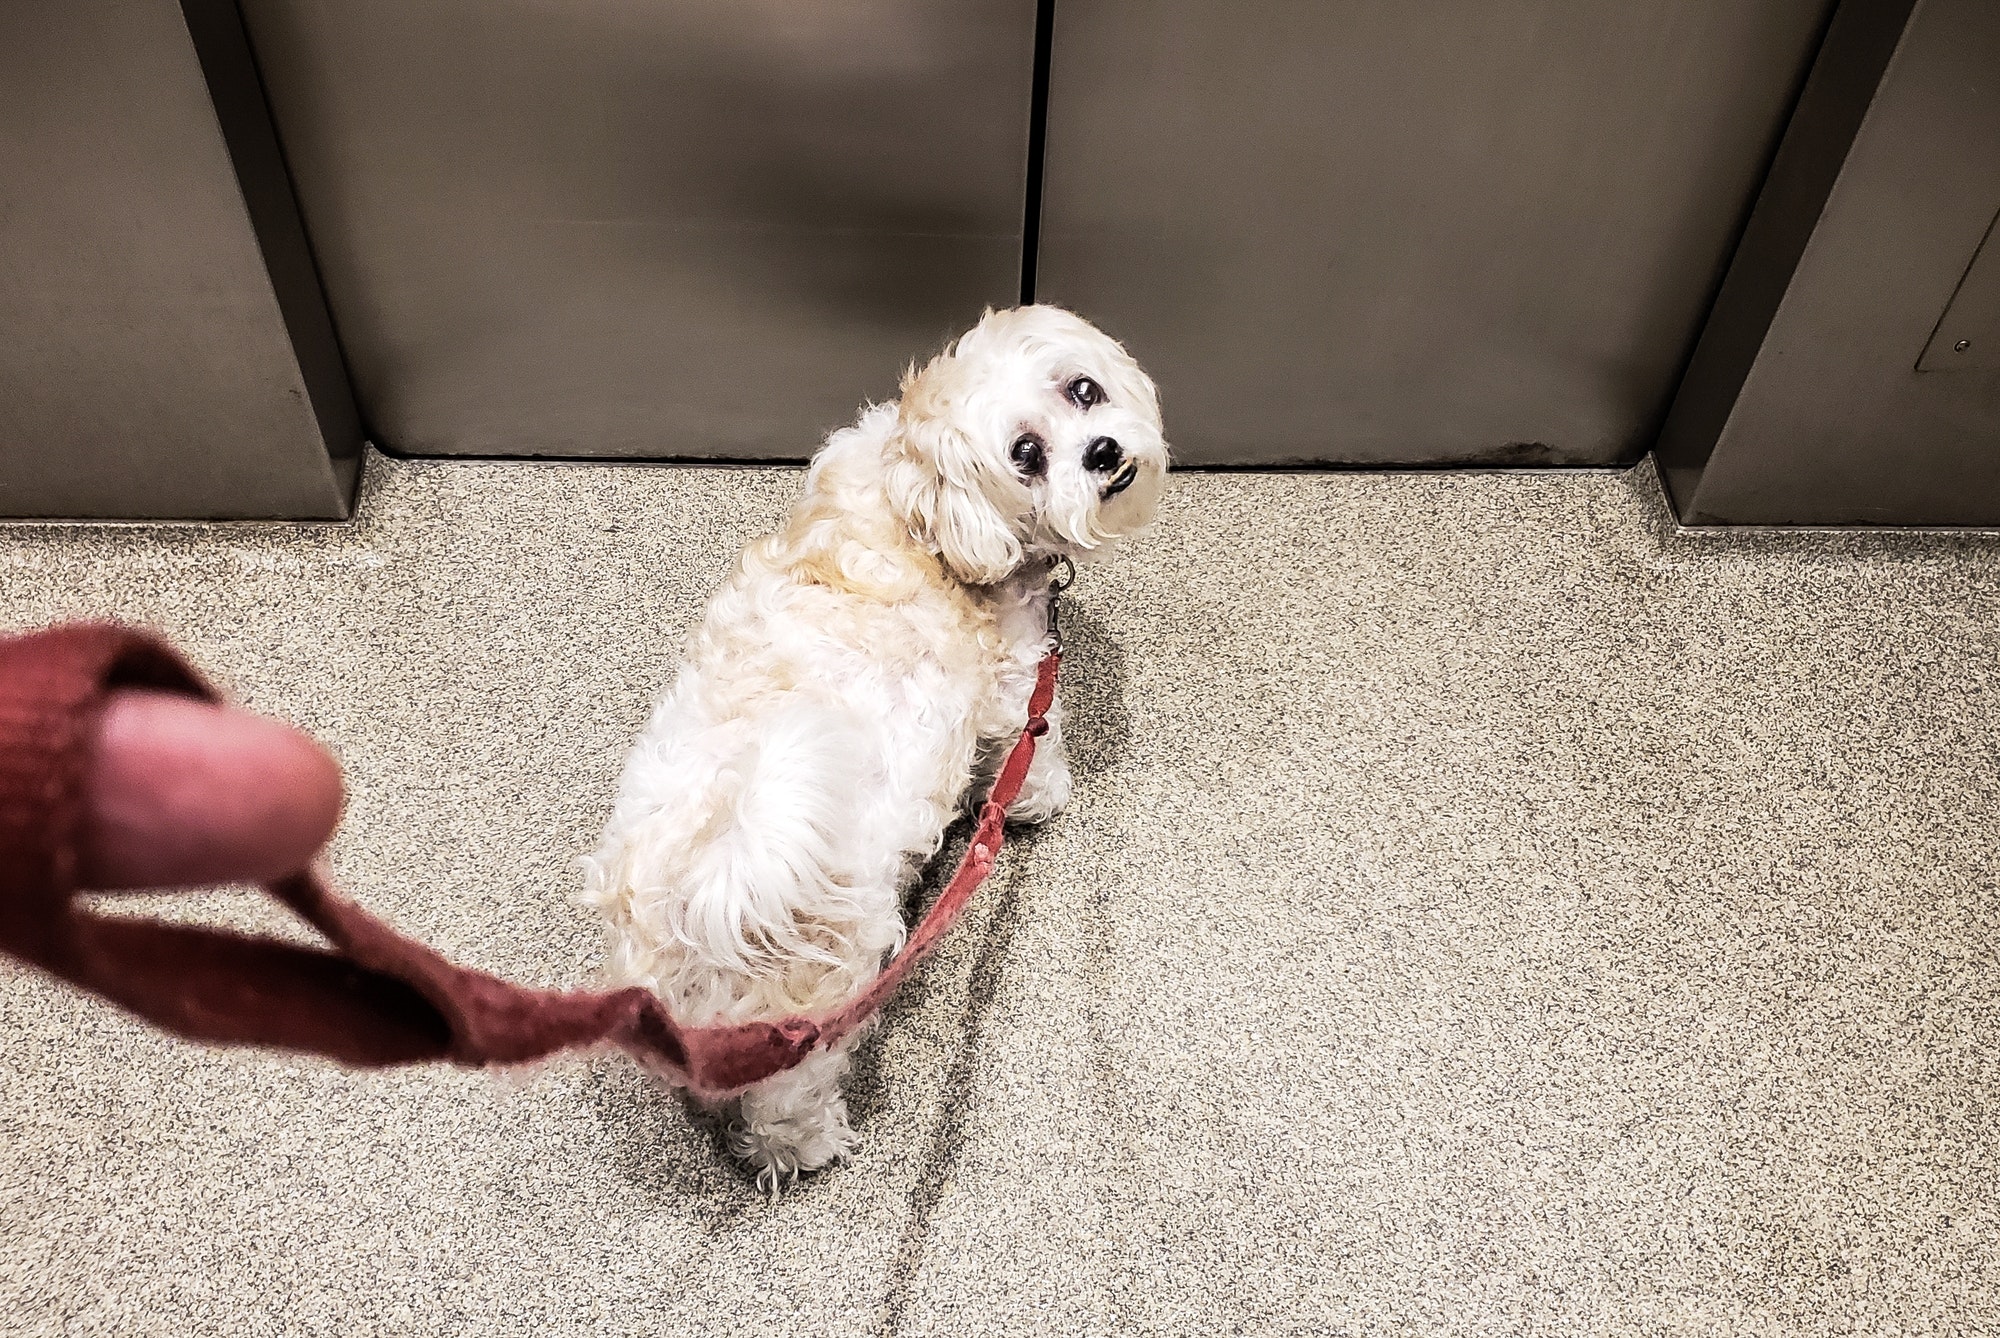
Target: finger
[184, 793]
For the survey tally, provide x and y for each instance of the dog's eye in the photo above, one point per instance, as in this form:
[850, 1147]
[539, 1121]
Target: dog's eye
[1085, 393]
[1029, 457]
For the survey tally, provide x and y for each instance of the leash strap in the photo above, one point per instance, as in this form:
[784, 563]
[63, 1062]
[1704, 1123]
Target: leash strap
[377, 997]
[980, 853]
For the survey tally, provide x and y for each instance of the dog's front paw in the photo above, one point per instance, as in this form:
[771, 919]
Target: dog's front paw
[1042, 795]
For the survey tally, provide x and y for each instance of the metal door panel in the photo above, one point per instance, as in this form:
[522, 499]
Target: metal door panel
[1829, 387]
[1967, 338]
[1453, 231]
[162, 351]
[631, 228]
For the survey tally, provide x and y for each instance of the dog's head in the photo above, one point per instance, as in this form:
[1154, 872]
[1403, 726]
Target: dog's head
[1034, 435]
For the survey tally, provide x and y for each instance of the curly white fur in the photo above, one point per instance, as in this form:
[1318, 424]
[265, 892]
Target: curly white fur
[860, 670]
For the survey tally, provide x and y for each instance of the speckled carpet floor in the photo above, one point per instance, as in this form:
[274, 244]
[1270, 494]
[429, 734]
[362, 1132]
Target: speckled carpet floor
[1484, 910]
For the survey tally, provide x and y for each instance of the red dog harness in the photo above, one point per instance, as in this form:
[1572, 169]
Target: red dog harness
[377, 998]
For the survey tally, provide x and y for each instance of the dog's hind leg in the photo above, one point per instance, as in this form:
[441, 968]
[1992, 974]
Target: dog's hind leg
[794, 1122]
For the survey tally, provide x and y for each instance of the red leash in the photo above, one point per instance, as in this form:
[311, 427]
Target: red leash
[381, 998]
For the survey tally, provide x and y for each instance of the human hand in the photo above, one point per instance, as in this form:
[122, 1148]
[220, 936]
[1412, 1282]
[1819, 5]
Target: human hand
[185, 793]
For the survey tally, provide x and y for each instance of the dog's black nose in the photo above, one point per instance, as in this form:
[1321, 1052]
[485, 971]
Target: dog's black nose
[1102, 456]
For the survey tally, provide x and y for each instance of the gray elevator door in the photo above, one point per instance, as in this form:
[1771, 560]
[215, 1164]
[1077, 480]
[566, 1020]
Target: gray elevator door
[1410, 231]
[163, 353]
[637, 228]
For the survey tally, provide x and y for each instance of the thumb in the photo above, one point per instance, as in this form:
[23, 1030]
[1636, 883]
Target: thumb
[184, 793]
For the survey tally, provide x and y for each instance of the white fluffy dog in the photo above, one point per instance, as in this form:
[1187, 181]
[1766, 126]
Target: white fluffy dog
[861, 670]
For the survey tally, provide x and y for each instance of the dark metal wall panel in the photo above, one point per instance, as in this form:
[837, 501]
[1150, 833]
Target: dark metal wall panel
[1967, 338]
[1446, 231]
[147, 369]
[1812, 399]
[628, 228]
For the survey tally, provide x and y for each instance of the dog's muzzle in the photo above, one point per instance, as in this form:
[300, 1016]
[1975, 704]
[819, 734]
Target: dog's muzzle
[1122, 480]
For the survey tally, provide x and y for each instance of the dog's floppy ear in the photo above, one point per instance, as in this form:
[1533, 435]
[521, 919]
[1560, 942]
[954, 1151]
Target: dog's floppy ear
[939, 486]
[935, 487]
